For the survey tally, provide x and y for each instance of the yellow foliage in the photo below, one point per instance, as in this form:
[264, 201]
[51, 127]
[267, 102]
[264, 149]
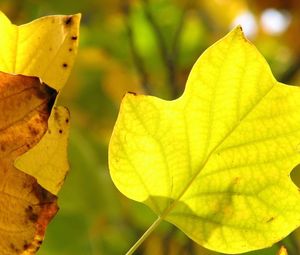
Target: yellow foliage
[51, 166]
[216, 161]
[42, 50]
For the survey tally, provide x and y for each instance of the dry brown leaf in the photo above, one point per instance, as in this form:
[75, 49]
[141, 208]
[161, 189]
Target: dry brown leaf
[25, 207]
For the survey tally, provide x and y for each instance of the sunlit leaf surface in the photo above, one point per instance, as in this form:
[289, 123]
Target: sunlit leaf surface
[216, 161]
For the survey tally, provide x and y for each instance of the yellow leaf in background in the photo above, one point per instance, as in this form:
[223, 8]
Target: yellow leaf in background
[282, 251]
[216, 161]
[25, 207]
[52, 165]
[44, 48]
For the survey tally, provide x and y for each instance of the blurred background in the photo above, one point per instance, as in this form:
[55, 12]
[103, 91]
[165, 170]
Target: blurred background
[145, 46]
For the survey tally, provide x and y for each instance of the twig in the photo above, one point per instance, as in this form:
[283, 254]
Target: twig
[294, 243]
[175, 49]
[166, 240]
[165, 56]
[137, 59]
[144, 236]
[188, 248]
[291, 71]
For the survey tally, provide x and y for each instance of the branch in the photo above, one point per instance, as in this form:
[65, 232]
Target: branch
[290, 72]
[137, 59]
[165, 56]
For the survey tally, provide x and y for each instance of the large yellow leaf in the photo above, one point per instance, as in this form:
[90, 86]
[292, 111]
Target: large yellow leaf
[216, 161]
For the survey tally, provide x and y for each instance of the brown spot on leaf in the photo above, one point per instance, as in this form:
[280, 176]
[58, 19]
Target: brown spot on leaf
[46, 209]
[31, 215]
[25, 245]
[47, 92]
[68, 21]
[67, 120]
[270, 220]
[65, 65]
[70, 49]
[60, 131]
[74, 38]
[132, 93]
[14, 248]
[33, 131]
[43, 195]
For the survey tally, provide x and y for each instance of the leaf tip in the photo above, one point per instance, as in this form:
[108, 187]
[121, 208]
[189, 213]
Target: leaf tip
[282, 251]
[238, 32]
[132, 93]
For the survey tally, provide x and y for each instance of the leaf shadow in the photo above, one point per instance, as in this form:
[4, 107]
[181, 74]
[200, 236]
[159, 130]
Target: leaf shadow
[198, 226]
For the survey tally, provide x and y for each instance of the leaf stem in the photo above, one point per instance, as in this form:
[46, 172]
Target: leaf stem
[144, 236]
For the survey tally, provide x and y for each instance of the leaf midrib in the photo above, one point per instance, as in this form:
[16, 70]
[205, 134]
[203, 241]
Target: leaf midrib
[189, 184]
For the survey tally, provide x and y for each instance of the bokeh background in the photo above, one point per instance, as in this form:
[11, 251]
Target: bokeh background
[146, 46]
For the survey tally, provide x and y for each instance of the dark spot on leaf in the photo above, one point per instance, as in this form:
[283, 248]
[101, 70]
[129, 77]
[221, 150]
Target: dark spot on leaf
[65, 65]
[26, 245]
[31, 215]
[67, 120]
[74, 38]
[70, 49]
[69, 21]
[270, 220]
[2, 147]
[46, 92]
[49, 131]
[60, 131]
[33, 131]
[28, 97]
[50, 49]
[42, 195]
[25, 185]
[132, 93]
[14, 248]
